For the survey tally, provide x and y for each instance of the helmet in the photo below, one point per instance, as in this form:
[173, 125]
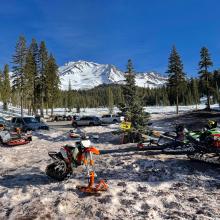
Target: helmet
[180, 128]
[212, 124]
[2, 126]
[18, 130]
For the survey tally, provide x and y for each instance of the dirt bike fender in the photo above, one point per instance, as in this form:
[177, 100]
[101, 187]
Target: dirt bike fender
[92, 150]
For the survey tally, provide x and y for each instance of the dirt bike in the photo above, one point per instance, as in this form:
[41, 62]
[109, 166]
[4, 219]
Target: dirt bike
[70, 157]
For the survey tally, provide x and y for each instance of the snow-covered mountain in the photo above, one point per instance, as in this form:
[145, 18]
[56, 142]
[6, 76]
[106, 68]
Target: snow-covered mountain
[87, 75]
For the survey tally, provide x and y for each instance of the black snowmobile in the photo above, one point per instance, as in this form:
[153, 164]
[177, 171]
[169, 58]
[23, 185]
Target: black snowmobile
[170, 142]
[207, 148]
[197, 145]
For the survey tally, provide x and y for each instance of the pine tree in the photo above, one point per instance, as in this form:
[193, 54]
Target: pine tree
[43, 60]
[176, 75]
[195, 91]
[0, 85]
[53, 81]
[29, 81]
[6, 88]
[110, 100]
[133, 109]
[19, 59]
[69, 98]
[204, 64]
[36, 92]
[129, 90]
[215, 84]
[165, 100]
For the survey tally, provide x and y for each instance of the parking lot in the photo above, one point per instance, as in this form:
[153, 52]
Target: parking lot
[61, 125]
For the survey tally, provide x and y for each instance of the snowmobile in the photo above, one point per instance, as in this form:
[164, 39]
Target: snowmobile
[170, 142]
[207, 147]
[72, 156]
[197, 145]
[14, 137]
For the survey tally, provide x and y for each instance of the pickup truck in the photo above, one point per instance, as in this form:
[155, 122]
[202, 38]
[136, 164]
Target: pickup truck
[108, 119]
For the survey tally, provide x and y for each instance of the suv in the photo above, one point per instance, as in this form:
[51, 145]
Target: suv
[112, 118]
[86, 120]
[4, 121]
[28, 123]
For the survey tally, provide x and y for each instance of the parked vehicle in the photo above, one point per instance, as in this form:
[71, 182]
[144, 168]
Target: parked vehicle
[62, 117]
[70, 157]
[112, 118]
[4, 122]
[57, 118]
[202, 145]
[67, 117]
[86, 121]
[28, 123]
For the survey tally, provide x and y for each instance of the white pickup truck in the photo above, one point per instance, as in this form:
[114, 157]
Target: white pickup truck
[108, 119]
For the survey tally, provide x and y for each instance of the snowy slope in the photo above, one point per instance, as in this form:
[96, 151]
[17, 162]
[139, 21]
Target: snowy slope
[87, 75]
[150, 80]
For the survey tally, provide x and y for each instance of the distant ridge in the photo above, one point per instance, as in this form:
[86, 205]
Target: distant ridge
[85, 75]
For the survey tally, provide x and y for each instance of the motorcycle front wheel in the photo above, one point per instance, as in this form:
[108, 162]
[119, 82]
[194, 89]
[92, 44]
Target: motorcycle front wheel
[57, 170]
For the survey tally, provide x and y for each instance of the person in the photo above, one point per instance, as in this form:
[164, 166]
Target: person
[211, 124]
[2, 127]
[210, 127]
[180, 132]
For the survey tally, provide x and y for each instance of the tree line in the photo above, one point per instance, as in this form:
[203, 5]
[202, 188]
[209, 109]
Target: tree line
[34, 83]
[207, 84]
[180, 90]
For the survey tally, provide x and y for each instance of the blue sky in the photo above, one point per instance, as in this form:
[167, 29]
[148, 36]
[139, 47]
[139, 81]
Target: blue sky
[112, 31]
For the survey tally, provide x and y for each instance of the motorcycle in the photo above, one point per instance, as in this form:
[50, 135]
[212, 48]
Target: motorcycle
[70, 157]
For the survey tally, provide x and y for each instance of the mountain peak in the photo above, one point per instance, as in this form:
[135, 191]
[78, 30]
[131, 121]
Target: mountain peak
[86, 75]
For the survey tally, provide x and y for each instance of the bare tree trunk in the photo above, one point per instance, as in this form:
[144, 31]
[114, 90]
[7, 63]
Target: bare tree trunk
[29, 112]
[34, 106]
[177, 102]
[47, 109]
[207, 87]
[21, 106]
[52, 110]
[42, 106]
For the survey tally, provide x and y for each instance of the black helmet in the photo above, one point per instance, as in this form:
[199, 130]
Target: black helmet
[180, 128]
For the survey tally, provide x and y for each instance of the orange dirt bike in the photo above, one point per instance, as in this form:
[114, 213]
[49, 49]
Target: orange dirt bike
[70, 157]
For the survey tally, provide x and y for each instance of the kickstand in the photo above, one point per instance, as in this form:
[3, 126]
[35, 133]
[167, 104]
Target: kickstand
[101, 186]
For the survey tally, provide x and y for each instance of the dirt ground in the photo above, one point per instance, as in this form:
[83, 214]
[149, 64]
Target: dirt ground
[142, 184]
